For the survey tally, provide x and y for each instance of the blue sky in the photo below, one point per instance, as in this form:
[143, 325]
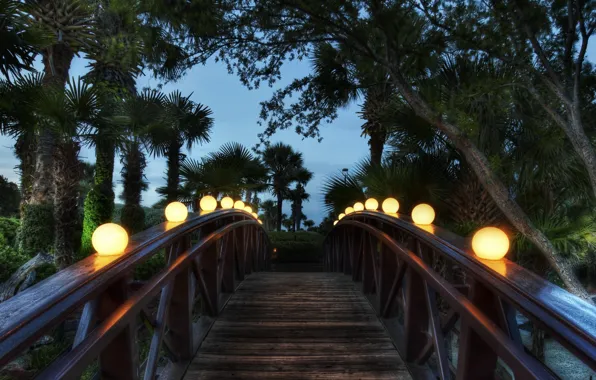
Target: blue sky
[236, 112]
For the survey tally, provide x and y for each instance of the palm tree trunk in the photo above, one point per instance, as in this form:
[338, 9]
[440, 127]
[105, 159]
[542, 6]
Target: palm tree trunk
[25, 151]
[67, 174]
[99, 202]
[248, 196]
[173, 179]
[37, 232]
[378, 136]
[280, 201]
[496, 188]
[132, 216]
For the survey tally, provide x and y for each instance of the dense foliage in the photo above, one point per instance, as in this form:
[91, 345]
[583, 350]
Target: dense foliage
[293, 247]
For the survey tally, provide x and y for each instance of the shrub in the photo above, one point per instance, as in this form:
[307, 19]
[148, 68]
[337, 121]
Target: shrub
[37, 229]
[10, 261]
[299, 246]
[99, 208]
[8, 231]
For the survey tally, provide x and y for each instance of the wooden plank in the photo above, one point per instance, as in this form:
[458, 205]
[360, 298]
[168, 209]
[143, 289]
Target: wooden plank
[297, 326]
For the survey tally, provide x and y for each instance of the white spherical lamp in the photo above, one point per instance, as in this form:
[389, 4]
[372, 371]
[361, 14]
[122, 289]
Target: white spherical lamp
[490, 243]
[248, 209]
[423, 214]
[349, 210]
[109, 239]
[208, 203]
[334, 223]
[239, 205]
[358, 206]
[390, 206]
[371, 204]
[226, 202]
[340, 216]
[176, 212]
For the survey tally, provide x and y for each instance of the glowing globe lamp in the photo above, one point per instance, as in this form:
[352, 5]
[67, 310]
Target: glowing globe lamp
[371, 204]
[255, 215]
[248, 209]
[239, 204]
[176, 212]
[334, 223]
[358, 206]
[340, 216]
[490, 243]
[349, 210]
[226, 202]
[423, 214]
[208, 203]
[109, 239]
[390, 205]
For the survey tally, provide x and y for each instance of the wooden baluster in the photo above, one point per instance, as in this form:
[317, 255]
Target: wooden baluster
[248, 250]
[357, 248]
[388, 275]
[416, 321]
[228, 265]
[437, 333]
[209, 282]
[239, 253]
[476, 358]
[118, 360]
[368, 270]
[348, 251]
[179, 336]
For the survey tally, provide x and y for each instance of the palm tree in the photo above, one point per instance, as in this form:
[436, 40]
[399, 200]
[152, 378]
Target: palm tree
[232, 170]
[269, 214]
[185, 122]
[140, 113]
[309, 224]
[284, 166]
[299, 195]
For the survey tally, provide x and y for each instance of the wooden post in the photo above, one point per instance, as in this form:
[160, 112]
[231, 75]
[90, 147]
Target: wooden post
[248, 249]
[179, 336]
[388, 275]
[368, 275]
[476, 359]
[209, 283]
[416, 316]
[239, 253]
[119, 359]
[228, 284]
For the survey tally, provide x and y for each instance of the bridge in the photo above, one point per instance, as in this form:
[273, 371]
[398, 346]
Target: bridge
[396, 300]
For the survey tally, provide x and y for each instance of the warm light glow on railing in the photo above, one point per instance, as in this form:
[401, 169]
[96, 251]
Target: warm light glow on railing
[349, 210]
[208, 203]
[423, 214]
[109, 239]
[226, 202]
[335, 222]
[390, 206]
[260, 221]
[239, 205]
[358, 206]
[248, 209]
[340, 216]
[490, 243]
[371, 204]
[176, 212]
[255, 215]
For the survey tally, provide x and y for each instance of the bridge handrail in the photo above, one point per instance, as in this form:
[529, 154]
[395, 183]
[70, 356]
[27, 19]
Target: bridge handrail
[30, 314]
[571, 320]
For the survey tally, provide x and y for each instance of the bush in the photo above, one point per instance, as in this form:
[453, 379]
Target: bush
[8, 231]
[10, 261]
[37, 229]
[299, 246]
[153, 216]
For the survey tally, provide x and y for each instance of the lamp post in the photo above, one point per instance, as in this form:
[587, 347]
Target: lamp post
[345, 172]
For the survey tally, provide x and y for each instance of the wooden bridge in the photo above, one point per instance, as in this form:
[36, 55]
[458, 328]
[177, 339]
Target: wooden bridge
[397, 301]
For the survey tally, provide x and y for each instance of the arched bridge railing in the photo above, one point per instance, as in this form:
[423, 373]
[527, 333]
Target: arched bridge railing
[128, 330]
[453, 315]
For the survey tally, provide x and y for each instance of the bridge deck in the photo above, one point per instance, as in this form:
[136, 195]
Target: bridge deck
[297, 326]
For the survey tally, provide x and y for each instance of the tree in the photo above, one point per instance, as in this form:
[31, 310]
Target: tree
[309, 224]
[368, 29]
[284, 166]
[140, 113]
[299, 195]
[230, 171]
[11, 197]
[269, 214]
[185, 123]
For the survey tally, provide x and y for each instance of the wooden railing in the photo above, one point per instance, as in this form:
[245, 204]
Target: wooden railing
[207, 256]
[453, 315]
